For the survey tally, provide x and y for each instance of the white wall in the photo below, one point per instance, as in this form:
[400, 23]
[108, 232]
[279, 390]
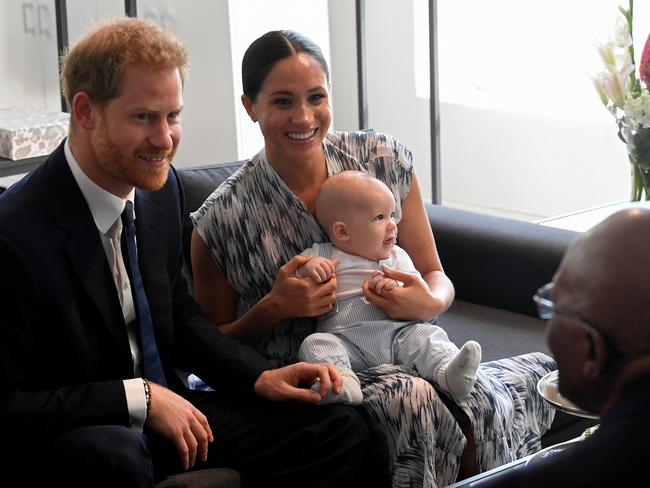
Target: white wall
[28, 47]
[28, 55]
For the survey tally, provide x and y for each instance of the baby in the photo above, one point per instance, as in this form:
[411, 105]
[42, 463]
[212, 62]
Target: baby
[357, 212]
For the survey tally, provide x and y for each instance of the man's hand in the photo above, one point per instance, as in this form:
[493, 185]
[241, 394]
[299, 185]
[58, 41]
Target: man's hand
[179, 421]
[285, 383]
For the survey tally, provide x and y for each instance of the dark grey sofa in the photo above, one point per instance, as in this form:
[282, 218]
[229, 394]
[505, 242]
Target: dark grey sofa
[496, 265]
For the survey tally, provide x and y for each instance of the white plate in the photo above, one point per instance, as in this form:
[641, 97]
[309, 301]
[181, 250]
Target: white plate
[547, 386]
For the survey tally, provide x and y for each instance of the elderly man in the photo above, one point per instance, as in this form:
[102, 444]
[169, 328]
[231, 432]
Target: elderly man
[599, 333]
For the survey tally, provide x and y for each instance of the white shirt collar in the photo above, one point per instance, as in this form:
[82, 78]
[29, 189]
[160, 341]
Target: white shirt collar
[105, 207]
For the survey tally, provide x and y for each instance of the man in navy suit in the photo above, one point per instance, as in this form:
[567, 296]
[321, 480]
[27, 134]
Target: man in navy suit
[75, 404]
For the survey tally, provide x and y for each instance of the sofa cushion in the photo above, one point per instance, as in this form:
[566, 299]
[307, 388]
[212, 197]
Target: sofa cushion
[198, 183]
[501, 333]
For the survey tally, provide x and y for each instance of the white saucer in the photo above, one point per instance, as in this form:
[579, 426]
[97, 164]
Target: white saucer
[547, 386]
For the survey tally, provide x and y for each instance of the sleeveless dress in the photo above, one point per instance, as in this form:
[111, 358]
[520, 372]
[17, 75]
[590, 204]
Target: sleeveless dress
[253, 224]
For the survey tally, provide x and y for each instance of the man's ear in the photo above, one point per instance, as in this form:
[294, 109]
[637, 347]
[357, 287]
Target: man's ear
[340, 231]
[597, 354]
[84, 110]
[249, 106]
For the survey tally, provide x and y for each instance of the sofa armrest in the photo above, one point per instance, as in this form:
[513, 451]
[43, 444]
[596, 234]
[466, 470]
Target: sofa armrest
[496, 261]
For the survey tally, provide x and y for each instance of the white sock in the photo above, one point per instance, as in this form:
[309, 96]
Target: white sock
[350, 391]
[458, 376]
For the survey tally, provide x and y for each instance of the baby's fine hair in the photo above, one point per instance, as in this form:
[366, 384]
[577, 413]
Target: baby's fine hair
[341, 192]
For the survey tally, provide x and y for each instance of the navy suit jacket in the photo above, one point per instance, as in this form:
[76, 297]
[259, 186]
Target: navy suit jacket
[63, 343]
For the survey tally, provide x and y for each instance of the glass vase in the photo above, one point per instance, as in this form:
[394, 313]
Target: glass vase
[638, 146]
[640, 182]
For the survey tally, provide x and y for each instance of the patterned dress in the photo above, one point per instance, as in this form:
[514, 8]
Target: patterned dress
[253, 224]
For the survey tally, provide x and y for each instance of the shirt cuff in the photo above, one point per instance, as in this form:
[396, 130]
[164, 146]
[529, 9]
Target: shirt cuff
[136, 402]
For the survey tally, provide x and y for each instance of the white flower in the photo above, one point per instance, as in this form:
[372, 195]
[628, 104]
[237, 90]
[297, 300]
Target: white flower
[606, 52]
[614, 85]
[624, 58]
[622, 38]
[637, 111]
[599, 85]
[618, 87]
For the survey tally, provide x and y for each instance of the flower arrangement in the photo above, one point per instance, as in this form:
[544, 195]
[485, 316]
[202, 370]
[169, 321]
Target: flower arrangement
[627, 98]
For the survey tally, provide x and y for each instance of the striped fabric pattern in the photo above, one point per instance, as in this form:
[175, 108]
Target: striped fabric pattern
[253, 224]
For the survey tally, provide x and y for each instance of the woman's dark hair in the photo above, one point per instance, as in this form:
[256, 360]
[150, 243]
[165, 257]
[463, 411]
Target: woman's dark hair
[263, 54]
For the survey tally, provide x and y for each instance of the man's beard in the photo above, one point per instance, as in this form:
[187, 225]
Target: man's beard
[130, 169]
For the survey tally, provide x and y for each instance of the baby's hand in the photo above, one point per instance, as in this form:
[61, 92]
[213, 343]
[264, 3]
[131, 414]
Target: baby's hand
[381, 282]
[318, 269]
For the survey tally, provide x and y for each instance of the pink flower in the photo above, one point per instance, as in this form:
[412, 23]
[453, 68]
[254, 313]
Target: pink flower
[644, 65]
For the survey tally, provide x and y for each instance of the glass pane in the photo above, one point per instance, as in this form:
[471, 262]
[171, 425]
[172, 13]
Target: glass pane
[523, 132]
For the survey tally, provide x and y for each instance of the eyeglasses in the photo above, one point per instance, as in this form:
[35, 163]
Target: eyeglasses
[546, 309]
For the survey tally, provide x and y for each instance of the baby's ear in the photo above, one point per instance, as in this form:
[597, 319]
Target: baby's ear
[340, 231]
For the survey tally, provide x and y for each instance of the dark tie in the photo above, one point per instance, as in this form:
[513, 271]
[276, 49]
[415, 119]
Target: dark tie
[151, 365]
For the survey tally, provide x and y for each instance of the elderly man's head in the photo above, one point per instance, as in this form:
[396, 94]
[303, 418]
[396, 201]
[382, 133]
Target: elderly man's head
[600, 331]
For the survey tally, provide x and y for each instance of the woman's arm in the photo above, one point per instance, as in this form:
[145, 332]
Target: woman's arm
[290, 297]
[414, 301]
[416, 238]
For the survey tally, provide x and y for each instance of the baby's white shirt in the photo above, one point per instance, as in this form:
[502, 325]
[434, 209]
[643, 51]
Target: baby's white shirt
[353, 270]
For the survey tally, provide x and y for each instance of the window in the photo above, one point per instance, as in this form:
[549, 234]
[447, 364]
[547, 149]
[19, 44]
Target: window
[523, 133]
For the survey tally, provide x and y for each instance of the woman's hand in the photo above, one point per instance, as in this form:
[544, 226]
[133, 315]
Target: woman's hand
[293, 296]
[412, 301]
[318, 268]
[381, 282]
[290, 296]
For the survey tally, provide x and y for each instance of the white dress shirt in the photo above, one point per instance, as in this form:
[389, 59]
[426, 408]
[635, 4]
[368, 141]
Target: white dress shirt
[106, 210]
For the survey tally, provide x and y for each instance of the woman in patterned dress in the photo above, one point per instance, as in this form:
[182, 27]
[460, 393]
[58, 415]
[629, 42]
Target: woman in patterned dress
[245, 247]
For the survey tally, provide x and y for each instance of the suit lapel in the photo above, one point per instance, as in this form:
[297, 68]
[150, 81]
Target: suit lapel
[152, 228]
[85, 250]
[149, 220]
